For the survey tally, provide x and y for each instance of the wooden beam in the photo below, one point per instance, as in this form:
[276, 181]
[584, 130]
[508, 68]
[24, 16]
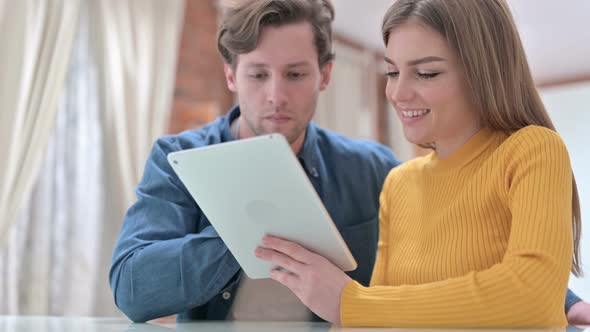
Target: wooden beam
[564, 81]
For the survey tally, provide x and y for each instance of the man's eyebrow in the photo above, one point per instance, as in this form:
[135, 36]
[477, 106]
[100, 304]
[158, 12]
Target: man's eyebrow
[256, 65]
[298, 64]
[291, 65]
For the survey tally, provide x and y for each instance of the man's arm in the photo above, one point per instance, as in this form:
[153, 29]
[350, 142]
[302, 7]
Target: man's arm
[578, 311]
[168, 257]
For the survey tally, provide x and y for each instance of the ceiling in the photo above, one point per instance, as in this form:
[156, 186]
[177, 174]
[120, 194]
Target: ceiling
[555, 34]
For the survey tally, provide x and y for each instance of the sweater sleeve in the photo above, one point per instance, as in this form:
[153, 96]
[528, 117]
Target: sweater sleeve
[525, 289]
[380, 269]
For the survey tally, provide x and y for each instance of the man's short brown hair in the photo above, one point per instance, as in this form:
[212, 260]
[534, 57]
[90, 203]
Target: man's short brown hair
[243, 20]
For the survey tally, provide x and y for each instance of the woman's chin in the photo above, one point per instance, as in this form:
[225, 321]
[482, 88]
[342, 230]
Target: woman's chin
[416, 139]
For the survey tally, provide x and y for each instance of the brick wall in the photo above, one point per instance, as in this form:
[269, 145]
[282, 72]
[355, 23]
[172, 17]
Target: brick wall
[200, 93]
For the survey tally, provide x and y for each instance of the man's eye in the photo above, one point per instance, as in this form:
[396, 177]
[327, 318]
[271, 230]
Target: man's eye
[295, 75]
[392, 74]
[258, 76]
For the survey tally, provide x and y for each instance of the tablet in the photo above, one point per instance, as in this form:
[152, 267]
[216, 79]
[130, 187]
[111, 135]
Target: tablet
[256, 186]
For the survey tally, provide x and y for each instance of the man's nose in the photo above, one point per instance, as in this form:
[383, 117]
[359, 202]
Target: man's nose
[276, 93]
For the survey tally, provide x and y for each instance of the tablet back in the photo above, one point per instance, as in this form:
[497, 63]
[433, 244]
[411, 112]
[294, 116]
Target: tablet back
[256, 186]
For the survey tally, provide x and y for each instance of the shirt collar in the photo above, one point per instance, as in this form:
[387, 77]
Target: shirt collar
[226, 134]
[309, 151]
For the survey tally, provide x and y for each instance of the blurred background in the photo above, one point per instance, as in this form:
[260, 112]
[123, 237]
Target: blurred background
[86, 86]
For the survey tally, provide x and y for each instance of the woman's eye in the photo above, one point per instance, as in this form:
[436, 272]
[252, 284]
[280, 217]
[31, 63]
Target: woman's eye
[428, 75]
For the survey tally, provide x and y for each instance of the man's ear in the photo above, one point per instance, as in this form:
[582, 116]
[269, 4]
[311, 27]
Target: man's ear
[230, 77]
[326, 75]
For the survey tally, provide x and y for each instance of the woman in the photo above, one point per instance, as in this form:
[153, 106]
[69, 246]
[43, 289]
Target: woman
[482, 231]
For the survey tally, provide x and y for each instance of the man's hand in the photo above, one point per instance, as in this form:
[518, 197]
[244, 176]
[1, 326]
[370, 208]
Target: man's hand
[579, 314]
[312, 278]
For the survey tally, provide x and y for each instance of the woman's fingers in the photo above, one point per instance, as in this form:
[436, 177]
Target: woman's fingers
[289, 248]
[290, 280]
[280, 259]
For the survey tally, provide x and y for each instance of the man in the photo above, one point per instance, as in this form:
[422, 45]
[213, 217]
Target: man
[169, 259]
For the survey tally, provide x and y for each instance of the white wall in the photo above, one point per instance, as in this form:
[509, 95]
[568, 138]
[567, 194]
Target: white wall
[569, 108]
[349, 106]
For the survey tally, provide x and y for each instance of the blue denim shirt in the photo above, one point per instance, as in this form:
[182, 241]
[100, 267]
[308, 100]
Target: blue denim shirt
[571, 299]
[169, 259]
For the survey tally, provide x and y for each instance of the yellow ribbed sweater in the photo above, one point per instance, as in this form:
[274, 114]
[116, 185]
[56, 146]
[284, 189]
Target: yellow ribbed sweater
[482, 238]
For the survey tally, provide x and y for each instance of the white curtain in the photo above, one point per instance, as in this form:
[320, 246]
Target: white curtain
[137, 49]
[117, 99]
[36, 38]
[50, 263]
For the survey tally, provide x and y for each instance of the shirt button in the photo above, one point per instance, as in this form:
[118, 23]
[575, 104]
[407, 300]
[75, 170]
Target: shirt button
[226, 295]
[314, 172]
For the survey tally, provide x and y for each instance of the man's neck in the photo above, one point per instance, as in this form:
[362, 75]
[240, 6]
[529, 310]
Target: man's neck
[234, 128]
